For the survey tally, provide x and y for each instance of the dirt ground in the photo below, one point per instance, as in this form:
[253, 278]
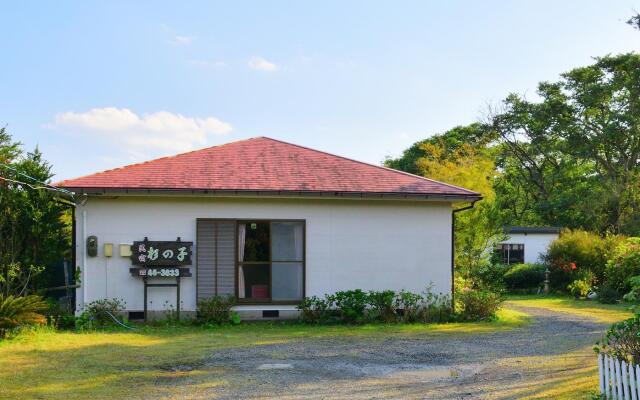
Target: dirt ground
[549, 358]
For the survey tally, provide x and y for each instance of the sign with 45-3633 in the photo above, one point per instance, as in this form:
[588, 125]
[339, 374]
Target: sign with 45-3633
[160, 272]
[149, 253]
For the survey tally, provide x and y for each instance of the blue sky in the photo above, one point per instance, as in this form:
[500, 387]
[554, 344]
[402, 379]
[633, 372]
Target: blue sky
[103, 84]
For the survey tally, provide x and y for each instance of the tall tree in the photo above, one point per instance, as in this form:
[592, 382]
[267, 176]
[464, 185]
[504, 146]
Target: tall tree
[576, 153]
[33, 228]
[475, 135]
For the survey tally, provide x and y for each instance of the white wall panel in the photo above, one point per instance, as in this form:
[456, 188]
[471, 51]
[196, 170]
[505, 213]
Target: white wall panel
[372, 245]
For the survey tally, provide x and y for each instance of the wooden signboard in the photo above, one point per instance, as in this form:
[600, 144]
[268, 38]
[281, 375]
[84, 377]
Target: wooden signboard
[149, 253]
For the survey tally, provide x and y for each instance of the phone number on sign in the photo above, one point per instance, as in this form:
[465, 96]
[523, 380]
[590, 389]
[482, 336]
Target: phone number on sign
[163, 272]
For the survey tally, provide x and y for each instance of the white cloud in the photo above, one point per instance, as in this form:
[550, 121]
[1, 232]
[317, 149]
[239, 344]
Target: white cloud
[143, 135]
[260, 64]
[184, 40]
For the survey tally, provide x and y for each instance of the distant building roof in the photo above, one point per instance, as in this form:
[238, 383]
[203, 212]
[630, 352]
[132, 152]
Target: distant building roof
[532, 229]
[265, 165]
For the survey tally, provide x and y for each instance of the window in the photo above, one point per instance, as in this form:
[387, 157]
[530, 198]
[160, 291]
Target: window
[270, 261]
[511, 253]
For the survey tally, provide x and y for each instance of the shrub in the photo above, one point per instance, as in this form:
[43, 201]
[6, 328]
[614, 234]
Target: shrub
[479, 304]
[582, 285]
[409, 305]
[215, 310]
[435, 307]
[579, 288]
[100, 314]
[490, 276]
[578, 250]
[382, 305]
[622, 340]
[58, 316]
[351, 305]
[314, 310]
[525, 276]
[624, 264]
[607, 294]
[634, 295]
[16, 312]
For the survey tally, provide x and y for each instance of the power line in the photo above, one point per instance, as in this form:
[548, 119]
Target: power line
[43, 185]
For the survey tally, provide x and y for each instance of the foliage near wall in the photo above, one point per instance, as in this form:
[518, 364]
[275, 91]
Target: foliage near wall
[34, 228]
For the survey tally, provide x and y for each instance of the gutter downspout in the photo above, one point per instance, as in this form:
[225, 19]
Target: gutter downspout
[453, 247]
[84, 257]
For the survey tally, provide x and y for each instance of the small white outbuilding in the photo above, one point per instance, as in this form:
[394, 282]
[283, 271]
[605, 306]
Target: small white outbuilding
[266, 221]
[526, 244]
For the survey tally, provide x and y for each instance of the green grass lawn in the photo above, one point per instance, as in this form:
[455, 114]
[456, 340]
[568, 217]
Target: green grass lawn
[68, 365]
[607, 313]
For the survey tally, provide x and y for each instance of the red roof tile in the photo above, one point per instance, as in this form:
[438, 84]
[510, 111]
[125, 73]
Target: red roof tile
[263, 164]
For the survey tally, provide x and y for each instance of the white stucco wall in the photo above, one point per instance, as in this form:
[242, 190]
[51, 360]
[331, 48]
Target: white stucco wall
[366, 244]
[535, 244]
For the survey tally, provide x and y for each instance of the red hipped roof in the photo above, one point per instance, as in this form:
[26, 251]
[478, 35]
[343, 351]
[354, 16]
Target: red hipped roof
[264, 165]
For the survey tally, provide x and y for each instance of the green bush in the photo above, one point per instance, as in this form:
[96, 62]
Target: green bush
[215, 310]
[622, 341]
[634, 295]
[579, 288]
[624, 264]
[607, 294]
[408, 304]
[314, 310]
[524, 276]
[490, 276]
[351, 305]
[22, 311]
[100, 314]
[435, 307]
[59, 316]
[382, 306]
[578, 250]
[479, 304]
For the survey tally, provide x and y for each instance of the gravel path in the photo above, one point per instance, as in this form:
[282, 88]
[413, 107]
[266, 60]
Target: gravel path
[508, 364]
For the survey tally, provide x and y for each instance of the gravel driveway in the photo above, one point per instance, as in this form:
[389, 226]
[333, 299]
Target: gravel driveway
[508, 364]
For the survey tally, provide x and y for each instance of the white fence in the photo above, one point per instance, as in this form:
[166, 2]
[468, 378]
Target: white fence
[618, 380]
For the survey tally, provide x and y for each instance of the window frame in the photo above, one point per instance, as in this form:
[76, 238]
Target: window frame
[507, 253]
[270, 262]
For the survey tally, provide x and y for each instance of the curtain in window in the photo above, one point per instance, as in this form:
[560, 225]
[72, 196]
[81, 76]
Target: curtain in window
[242, 231]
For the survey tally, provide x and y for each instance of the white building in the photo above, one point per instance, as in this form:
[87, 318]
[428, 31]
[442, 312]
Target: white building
[526, 244]
[269, 222]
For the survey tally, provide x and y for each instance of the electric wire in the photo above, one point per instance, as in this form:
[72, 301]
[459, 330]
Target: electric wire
[44, 185]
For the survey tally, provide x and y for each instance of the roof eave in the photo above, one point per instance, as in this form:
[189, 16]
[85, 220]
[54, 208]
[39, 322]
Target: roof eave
[449, 197]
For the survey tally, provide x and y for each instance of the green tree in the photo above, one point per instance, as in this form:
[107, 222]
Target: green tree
[573, 157]
[476, 135]
[34, 224]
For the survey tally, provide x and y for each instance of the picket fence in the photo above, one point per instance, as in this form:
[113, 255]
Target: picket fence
[618, 380]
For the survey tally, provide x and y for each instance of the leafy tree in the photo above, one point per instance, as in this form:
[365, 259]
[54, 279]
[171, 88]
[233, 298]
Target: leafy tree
[475, 135]
[573, 157]
[34, 225]
[634, 21]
